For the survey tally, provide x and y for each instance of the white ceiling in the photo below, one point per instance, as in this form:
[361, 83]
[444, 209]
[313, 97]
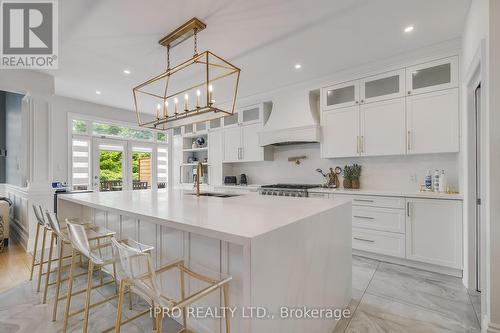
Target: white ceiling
[265, 38]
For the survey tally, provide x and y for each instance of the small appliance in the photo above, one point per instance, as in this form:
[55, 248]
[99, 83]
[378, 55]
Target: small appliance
[230, 180]
[243, 179]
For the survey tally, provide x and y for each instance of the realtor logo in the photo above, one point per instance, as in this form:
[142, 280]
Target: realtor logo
[29, 34]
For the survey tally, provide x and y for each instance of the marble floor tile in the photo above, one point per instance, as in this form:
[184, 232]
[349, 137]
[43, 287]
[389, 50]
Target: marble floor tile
[377, 314]
[437, 292]
[344, 322]
[475, 298]
[362, 272]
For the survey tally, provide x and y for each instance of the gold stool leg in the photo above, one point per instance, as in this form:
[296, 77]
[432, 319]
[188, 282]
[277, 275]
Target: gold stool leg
[225, 291]
[70, 291]
[40, 268]
[130, 298]
[159, 321]
[183, 296]
[118, 321]
[34, 250]
[47, 277]
[87, 298]
[58, 281]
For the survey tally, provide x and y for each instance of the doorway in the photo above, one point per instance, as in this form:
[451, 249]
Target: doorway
[110, 165]
[477, 171]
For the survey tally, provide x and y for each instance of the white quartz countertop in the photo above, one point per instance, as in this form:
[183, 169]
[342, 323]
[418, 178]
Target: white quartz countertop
[409, 194]
[236, 219]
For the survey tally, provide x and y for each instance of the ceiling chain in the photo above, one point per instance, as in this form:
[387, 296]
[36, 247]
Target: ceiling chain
[195, 42]
[168, 57]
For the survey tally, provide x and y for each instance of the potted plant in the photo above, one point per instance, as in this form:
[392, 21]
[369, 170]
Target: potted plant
[347, 176]
[355, 175]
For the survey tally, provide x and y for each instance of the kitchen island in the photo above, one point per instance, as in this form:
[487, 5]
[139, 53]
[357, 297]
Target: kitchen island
[281, 252]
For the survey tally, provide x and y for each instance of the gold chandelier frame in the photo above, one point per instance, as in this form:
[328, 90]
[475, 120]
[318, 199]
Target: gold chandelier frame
[201, 111]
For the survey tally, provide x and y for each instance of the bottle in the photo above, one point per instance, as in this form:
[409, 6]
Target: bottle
[435, 184]
[442, 182]
[428, 181]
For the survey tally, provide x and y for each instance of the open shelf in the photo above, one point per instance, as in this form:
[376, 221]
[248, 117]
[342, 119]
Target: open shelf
[195, 149]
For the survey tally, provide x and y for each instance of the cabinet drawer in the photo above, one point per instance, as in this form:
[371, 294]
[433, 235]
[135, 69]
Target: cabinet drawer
[383, 219]
[375, 201]
[318, 195]
[381, 242]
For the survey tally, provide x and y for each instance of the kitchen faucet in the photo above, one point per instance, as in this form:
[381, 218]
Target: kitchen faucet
[199, 174]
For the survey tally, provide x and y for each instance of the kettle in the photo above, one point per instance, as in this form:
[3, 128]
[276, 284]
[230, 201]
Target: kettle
[243, 179]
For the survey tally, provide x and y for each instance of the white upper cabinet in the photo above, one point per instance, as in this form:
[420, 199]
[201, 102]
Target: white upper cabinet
[383, 128]
[250, 149]
[231, 120]
[431, 76]
[215, 156]
[433, 122]
[232, 144]
[434, 232]
[382, 87]
[340, 133]
[250, 115]
[340, 95]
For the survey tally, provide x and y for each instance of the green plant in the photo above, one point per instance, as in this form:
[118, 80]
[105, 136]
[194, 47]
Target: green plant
[355, 171]
[348, 172]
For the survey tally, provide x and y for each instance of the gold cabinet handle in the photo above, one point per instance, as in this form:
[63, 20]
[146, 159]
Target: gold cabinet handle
[357, 144]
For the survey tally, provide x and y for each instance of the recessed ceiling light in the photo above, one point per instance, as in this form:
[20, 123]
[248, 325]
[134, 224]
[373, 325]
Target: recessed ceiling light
[97, 92]
[297, 66]
[126, 71]
[409, 28]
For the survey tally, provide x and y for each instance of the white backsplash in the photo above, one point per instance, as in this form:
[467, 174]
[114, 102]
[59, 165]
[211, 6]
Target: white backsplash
[378, 173]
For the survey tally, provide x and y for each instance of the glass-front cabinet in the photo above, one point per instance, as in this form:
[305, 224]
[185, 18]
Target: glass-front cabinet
[383, 86]
[340, 95]
[436, 75]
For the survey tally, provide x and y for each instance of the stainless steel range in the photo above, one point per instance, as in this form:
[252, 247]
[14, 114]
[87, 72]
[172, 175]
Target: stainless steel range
[287, 190]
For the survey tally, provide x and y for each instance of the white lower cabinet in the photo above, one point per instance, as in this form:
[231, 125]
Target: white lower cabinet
[434, 232]
[387, 243]
[423, 230]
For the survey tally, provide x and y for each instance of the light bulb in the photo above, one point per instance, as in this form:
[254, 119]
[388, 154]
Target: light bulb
[198, 92]
[186, 97]
[210, 88]
[176, 100]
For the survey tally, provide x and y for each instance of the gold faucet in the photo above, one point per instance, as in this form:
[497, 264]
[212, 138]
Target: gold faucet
[199, 174]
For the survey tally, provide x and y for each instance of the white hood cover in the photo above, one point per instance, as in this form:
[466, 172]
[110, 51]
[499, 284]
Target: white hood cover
[294, 119]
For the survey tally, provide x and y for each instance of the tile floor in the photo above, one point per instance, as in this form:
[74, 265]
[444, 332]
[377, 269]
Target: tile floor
[386, 298]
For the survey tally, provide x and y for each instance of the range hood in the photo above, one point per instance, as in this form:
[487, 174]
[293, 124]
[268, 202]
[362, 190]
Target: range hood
[293, 120]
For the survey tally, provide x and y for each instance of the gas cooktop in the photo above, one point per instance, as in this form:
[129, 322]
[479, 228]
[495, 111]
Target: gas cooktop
[292, 186]
[287, 190]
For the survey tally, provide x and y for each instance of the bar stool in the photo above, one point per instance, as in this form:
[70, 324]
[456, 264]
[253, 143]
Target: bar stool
[79, 239]
[42, 223]
[94, 233]
[138, 273]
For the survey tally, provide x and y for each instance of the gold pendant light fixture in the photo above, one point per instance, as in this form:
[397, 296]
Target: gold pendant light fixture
[201, 88]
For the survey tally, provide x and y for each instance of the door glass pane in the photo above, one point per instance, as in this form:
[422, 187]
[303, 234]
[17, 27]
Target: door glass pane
[162, 167]
[215, 123]
[251, 115]
[188, 129]
[431, 76]
[80, 172]
[340, 95]
[381, 87]
[141, 168]
[231, 120]
[161, 137]
[201, 126]
[177, 131]
[110, 168]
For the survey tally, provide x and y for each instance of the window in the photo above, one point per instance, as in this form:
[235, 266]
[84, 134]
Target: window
[79, 126]
[141, 159]
[80, 164]
[162, 167]
[100, 129]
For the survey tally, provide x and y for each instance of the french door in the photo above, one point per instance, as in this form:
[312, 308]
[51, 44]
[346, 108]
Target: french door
[110, 165]
[120, 165]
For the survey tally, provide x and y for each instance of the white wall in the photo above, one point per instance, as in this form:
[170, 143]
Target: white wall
[378, 173]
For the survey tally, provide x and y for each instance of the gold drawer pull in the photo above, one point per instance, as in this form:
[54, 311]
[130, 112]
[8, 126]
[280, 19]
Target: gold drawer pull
[364, 240]
[364, 217]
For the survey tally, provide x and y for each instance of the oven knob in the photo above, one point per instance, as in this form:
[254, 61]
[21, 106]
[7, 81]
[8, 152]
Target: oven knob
[275, 192]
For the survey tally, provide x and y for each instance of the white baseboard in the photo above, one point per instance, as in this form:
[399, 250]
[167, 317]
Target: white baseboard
[411, 263]
[490, 327]
[18, 233]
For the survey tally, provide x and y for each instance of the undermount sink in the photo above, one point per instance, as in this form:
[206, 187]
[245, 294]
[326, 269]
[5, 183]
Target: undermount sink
[218, 195]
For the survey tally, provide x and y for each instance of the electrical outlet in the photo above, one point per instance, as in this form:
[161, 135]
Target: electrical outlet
[413, 178]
